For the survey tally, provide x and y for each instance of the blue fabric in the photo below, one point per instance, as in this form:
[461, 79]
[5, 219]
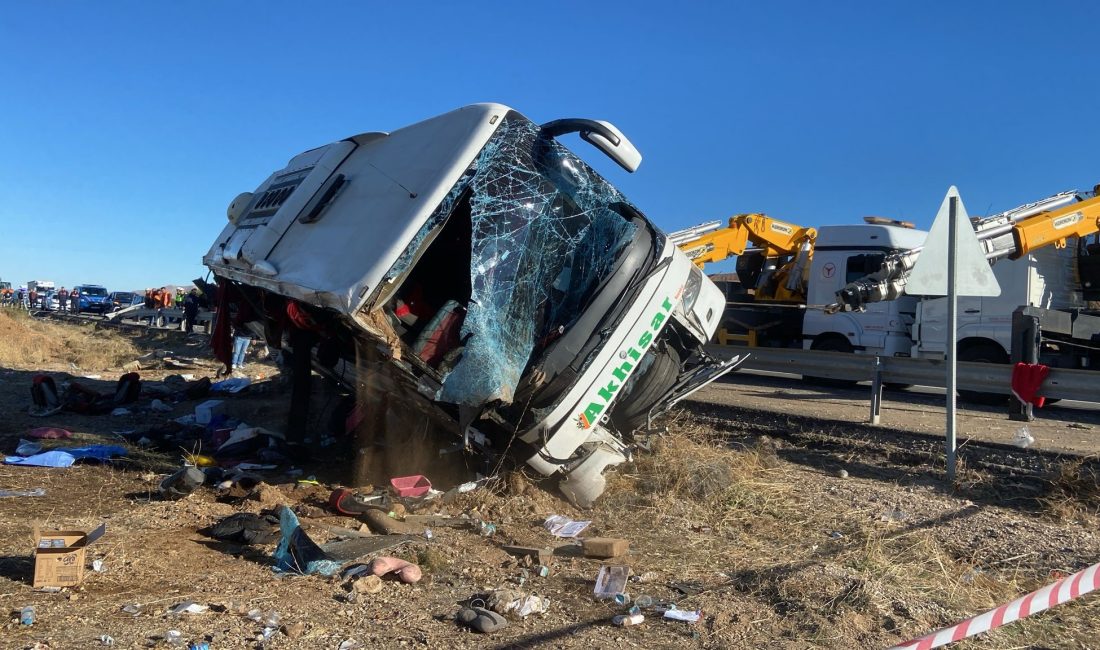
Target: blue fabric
[66, 456]
[233, 385]
[45, 459]
[297, 553]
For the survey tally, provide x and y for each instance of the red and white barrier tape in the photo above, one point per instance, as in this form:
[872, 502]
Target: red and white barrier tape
[1065, 589]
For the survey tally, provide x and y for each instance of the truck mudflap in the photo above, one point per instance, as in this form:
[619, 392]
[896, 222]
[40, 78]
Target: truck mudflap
[702, 374]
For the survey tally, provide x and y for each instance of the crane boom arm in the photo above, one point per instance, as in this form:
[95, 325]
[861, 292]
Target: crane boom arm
[1054, 227]
[713, 243]
[1012, 234]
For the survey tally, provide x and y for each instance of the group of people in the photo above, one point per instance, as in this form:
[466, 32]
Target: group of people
[165, 298]
[23, 299]
[68, 300]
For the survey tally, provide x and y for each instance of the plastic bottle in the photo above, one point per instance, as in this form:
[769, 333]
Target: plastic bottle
[26, 615]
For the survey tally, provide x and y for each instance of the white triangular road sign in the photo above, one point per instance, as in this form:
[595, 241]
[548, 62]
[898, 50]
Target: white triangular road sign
[973, 275]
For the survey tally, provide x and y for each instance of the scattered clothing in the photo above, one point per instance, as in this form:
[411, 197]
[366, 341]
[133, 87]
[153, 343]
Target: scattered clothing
[1027, 379]
[66, 456]
[245, 528]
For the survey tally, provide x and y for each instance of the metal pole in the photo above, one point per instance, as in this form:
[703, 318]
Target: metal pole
[876, 392]
[952, 327]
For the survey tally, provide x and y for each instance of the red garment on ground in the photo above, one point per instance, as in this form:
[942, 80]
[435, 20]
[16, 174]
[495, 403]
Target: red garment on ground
[1027, 378]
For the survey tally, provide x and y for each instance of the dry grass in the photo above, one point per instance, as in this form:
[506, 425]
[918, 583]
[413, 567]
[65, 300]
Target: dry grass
[30, 344]
[1074, 492]
[790, 558]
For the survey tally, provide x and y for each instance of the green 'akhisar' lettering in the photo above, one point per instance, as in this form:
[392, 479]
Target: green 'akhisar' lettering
[607, 393]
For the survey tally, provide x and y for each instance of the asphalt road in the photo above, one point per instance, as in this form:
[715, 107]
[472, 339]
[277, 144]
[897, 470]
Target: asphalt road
[1067, 426]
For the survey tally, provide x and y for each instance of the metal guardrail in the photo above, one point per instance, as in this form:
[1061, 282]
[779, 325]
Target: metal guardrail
[1081, 385]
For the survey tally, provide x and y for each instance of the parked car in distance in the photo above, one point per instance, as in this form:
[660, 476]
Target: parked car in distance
[48, 300]
[93, 298]
[123, 299]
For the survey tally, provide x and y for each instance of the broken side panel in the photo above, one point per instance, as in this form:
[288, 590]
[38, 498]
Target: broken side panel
[544, 236]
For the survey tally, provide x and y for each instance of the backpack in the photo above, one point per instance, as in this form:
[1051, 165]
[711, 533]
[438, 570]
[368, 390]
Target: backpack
[44, 392]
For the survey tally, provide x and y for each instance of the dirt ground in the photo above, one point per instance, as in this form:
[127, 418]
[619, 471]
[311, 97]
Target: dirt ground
[741, 511]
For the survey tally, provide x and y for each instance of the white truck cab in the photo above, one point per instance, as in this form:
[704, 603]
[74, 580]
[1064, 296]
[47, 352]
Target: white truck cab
[914, 325]
[846, 253]
[519, 292]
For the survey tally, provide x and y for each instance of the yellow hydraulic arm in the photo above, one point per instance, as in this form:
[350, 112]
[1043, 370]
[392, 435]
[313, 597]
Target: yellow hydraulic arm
[1055, 226]
[775, 237]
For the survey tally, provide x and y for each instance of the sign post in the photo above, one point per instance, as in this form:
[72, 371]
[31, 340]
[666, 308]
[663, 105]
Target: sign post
[952, 264]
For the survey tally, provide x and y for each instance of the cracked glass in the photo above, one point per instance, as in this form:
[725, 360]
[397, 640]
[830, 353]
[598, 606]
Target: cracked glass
[544, 235]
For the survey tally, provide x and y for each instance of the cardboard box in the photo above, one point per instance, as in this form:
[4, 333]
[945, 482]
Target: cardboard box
[206, 411]
[59, 555]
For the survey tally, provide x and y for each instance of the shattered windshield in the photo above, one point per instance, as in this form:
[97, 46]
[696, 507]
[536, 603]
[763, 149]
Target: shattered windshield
[546, 231]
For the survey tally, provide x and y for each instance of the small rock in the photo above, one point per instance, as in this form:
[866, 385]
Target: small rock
[294, 631]
[842, 473]
[367, 584]
[268, 495]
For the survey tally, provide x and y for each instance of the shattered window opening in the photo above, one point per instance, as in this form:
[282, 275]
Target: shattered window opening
[545, 232]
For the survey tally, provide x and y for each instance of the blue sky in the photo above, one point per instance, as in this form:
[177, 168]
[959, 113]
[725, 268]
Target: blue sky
[127, 127]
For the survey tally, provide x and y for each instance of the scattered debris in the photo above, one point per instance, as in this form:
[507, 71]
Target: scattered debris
[181, 483]
[604, 547]
[516, 603]
[624, 620]
[404, 571]
[245, 528]
[1023, 438]
[49, 433]
[894, 515]
[59, 555]
[298, 553]
[481, 620]
[188, 607]
[208, 410]
[232, 385]
[27, 448]
[611, 580]
[67, 456]
[411, 486]
[36, 492]
[683, 615]
[539, 555]
[562, 526]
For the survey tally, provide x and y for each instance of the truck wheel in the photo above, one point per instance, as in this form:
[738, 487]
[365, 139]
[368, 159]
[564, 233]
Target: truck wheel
[983, 352]
[831, 343]
[641, 392]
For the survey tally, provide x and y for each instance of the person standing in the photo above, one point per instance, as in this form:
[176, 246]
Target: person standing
[242, 338]
[62, 299]
[190, 310]
[33, 294]
[74, 301]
